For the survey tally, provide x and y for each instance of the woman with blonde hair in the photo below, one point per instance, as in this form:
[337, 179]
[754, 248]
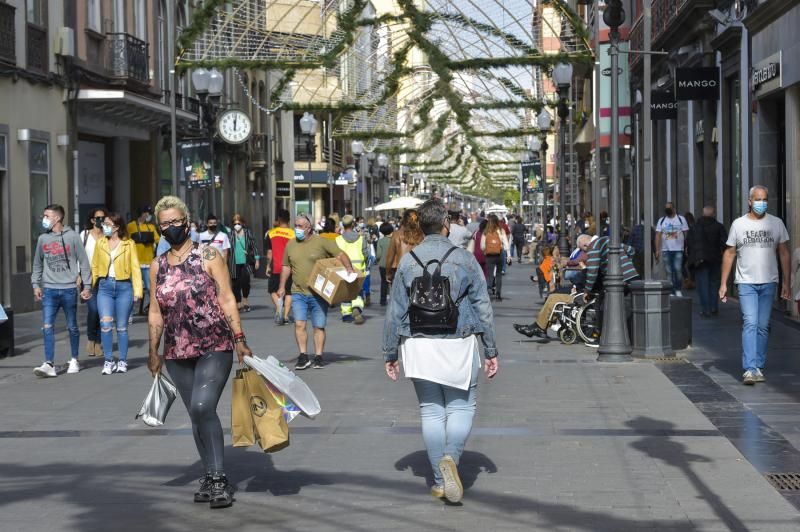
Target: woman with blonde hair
[403, 240]
[493, 243]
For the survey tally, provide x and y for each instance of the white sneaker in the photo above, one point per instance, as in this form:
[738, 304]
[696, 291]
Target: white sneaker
[45, 370]
[108, 368]
[678, 293]
[74, 367]
[122, 367]
[759, 376]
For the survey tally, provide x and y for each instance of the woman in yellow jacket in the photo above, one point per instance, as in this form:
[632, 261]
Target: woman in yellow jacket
[118, 282]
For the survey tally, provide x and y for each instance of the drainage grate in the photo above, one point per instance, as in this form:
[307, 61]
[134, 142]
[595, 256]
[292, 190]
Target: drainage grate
[784, 481]
[662, 359]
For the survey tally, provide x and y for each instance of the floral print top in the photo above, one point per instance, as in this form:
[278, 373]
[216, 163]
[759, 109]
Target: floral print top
[193, 320]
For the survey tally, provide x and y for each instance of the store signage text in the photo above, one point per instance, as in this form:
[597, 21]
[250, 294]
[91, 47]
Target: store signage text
[663, 106]
[765, 74]
[697, 83]
[283, 189]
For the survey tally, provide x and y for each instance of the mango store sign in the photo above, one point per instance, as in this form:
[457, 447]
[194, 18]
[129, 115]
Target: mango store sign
[697, 83]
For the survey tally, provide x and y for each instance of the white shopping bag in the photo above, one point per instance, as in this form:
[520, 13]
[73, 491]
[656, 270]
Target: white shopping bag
[156, 403]
[277, 374]
[3, 315]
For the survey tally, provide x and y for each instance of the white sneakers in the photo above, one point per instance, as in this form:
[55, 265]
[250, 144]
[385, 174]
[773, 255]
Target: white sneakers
[678, 293]
[114, 367]
[45, 370]
[74, 367]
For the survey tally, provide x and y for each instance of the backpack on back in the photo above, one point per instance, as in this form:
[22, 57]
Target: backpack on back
[494, 246]
[431, 307]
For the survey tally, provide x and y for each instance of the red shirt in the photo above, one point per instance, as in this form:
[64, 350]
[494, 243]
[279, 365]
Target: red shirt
[278, 238]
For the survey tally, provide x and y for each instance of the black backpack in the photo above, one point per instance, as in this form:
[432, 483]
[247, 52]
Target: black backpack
[431, 307]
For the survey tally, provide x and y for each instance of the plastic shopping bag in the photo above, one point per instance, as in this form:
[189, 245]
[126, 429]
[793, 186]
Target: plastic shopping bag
[271, 428]
[274, 371]
[290, 410]
[242, 427]
[3, 315]
[157, 402]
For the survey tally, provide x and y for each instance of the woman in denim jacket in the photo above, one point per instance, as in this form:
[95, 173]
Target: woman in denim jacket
[443, 368]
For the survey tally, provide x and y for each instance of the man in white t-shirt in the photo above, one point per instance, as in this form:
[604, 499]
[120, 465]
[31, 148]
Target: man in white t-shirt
[753, 241]
[670, 238]
[212, 236]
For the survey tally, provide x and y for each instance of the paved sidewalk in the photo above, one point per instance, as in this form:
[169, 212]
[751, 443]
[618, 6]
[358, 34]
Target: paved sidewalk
[560, 443]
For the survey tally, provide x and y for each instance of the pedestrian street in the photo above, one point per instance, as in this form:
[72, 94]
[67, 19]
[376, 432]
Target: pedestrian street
[560, 442]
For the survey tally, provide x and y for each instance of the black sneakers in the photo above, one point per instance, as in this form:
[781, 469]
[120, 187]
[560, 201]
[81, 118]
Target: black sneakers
[221, 492]
[204, 493]
[318, 363]
[530, 330]
[302, 362]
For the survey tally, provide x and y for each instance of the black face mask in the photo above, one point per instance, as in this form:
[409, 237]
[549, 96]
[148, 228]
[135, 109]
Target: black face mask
[669, 212]
[98, 222]
[212, 228]
[176, 235]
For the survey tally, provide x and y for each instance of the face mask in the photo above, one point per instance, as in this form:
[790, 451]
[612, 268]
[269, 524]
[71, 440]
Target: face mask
[361, 226]
[176, 235]
[148, 217]
[669, 212]
[108, 230]
[760, 207]
[238, 227]
[299, 234]
[98, 222]
[46, 223]
[212, 228]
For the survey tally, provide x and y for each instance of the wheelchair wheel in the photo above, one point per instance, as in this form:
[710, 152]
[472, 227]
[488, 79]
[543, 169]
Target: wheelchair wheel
[567, 335]
[587, 322]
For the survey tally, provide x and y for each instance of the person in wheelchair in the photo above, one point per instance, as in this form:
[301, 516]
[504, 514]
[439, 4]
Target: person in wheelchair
[574, 267]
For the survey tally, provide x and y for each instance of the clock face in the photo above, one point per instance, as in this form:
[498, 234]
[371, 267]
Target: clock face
[234, 126]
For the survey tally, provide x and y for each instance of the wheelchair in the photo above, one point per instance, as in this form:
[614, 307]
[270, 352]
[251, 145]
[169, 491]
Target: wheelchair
[578, 320]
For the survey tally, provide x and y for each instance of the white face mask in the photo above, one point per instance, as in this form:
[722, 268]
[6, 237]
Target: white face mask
[46, 223]
[148, 217]
[238, 227]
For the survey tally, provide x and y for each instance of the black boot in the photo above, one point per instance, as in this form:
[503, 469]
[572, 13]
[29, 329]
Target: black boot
[221, 492]
[530, 330]
[204, 493]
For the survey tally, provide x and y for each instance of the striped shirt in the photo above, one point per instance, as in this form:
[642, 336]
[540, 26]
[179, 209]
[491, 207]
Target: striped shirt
[597, 263]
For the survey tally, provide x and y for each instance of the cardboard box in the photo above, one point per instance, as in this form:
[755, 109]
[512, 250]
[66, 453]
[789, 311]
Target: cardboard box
[328, 282]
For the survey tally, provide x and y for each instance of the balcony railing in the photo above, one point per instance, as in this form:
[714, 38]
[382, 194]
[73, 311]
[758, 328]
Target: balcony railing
[191, 105]
[127, 57]
[8, 52]
[36, 48]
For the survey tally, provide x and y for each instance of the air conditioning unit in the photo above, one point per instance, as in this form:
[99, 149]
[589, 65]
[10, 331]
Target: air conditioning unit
[65, 45]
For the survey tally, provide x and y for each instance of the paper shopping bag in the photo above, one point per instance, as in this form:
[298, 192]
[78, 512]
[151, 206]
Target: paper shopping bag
[242, 428]
[271, 428]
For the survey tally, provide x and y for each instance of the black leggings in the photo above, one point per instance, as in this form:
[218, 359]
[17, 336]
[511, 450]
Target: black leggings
[241, 285]
[494, 264]
[200, 382]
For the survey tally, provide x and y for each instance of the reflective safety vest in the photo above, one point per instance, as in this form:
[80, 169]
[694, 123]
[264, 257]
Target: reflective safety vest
[354, 250]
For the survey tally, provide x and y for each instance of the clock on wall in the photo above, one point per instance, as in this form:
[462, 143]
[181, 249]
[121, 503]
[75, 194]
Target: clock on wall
[234, 126]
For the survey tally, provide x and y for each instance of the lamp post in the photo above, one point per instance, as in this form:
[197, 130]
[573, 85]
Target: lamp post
[383, 164]
[366, 191]
[562, 75]
[614, 344]
[208, 86]
[543, 121]
[308, 125]
[357, 147]
[534, 146]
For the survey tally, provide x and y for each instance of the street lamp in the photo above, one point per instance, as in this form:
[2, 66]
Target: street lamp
[614, 344]
[208, 86]
[308, 125]
[366, 192]
[383, 164]
[562, 75]
[543, 121]
[357, 147]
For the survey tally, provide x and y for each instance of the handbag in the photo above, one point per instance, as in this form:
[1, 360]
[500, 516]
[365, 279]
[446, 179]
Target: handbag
[242, 428]
[270, 427]
[157, 402]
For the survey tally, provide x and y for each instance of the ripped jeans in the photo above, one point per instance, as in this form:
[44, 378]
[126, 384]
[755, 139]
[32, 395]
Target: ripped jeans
[114, 304]
[52, 300]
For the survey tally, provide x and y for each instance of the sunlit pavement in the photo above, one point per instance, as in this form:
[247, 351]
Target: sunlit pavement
[560, 442]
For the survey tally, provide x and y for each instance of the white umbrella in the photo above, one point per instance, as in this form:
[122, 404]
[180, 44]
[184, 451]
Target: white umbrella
[497, 209]
[406, 202]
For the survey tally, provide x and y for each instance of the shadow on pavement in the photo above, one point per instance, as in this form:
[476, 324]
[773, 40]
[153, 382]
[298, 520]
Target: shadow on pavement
[471, 465]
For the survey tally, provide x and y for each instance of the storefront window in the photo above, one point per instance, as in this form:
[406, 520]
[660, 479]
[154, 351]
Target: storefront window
[735, 207]
[39, 167]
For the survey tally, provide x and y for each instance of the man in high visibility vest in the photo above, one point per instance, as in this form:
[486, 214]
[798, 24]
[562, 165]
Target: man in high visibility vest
[357, 248]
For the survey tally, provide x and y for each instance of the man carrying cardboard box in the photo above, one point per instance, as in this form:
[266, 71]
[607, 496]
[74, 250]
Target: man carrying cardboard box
[357, 248]
[299, 259]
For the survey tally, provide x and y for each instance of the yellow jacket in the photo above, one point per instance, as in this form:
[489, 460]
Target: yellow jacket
[126, 264]
[146, 252]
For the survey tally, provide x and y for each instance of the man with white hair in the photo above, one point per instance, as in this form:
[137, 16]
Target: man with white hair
[753, 241]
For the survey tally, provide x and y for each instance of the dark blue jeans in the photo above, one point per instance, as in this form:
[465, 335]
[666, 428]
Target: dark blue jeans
[707, 277]
[115, 301]
[53, 299]
[673, 263]
[92, 319]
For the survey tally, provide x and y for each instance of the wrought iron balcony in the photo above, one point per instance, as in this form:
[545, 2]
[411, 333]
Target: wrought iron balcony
[36, 48]
[8, 52]
[127, 57]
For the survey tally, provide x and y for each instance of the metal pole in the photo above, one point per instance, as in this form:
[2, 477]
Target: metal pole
[572, 174]
[647, 141]
[364, 201]
[563, 244]
[330, 162]
[596, 154]
[614, 344]
[544, 187]
[311, 151]
[172, 112]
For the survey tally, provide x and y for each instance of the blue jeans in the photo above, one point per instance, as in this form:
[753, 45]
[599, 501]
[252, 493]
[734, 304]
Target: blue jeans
[92, 319]
[756, 303]
[504, 258]
[446, 415]
[52, 300]
[673, 263]
[114, 301]
[707, 277]
[313, 307]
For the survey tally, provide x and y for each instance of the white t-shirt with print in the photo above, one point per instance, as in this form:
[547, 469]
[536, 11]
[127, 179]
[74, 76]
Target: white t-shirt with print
[219, 240]
[671, 229]
[756, 242]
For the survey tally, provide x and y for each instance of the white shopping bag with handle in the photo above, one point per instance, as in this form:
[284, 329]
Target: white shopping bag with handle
[277, 374]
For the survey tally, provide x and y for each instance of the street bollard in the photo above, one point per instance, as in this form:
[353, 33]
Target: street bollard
[681, 320]
[651, 319]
